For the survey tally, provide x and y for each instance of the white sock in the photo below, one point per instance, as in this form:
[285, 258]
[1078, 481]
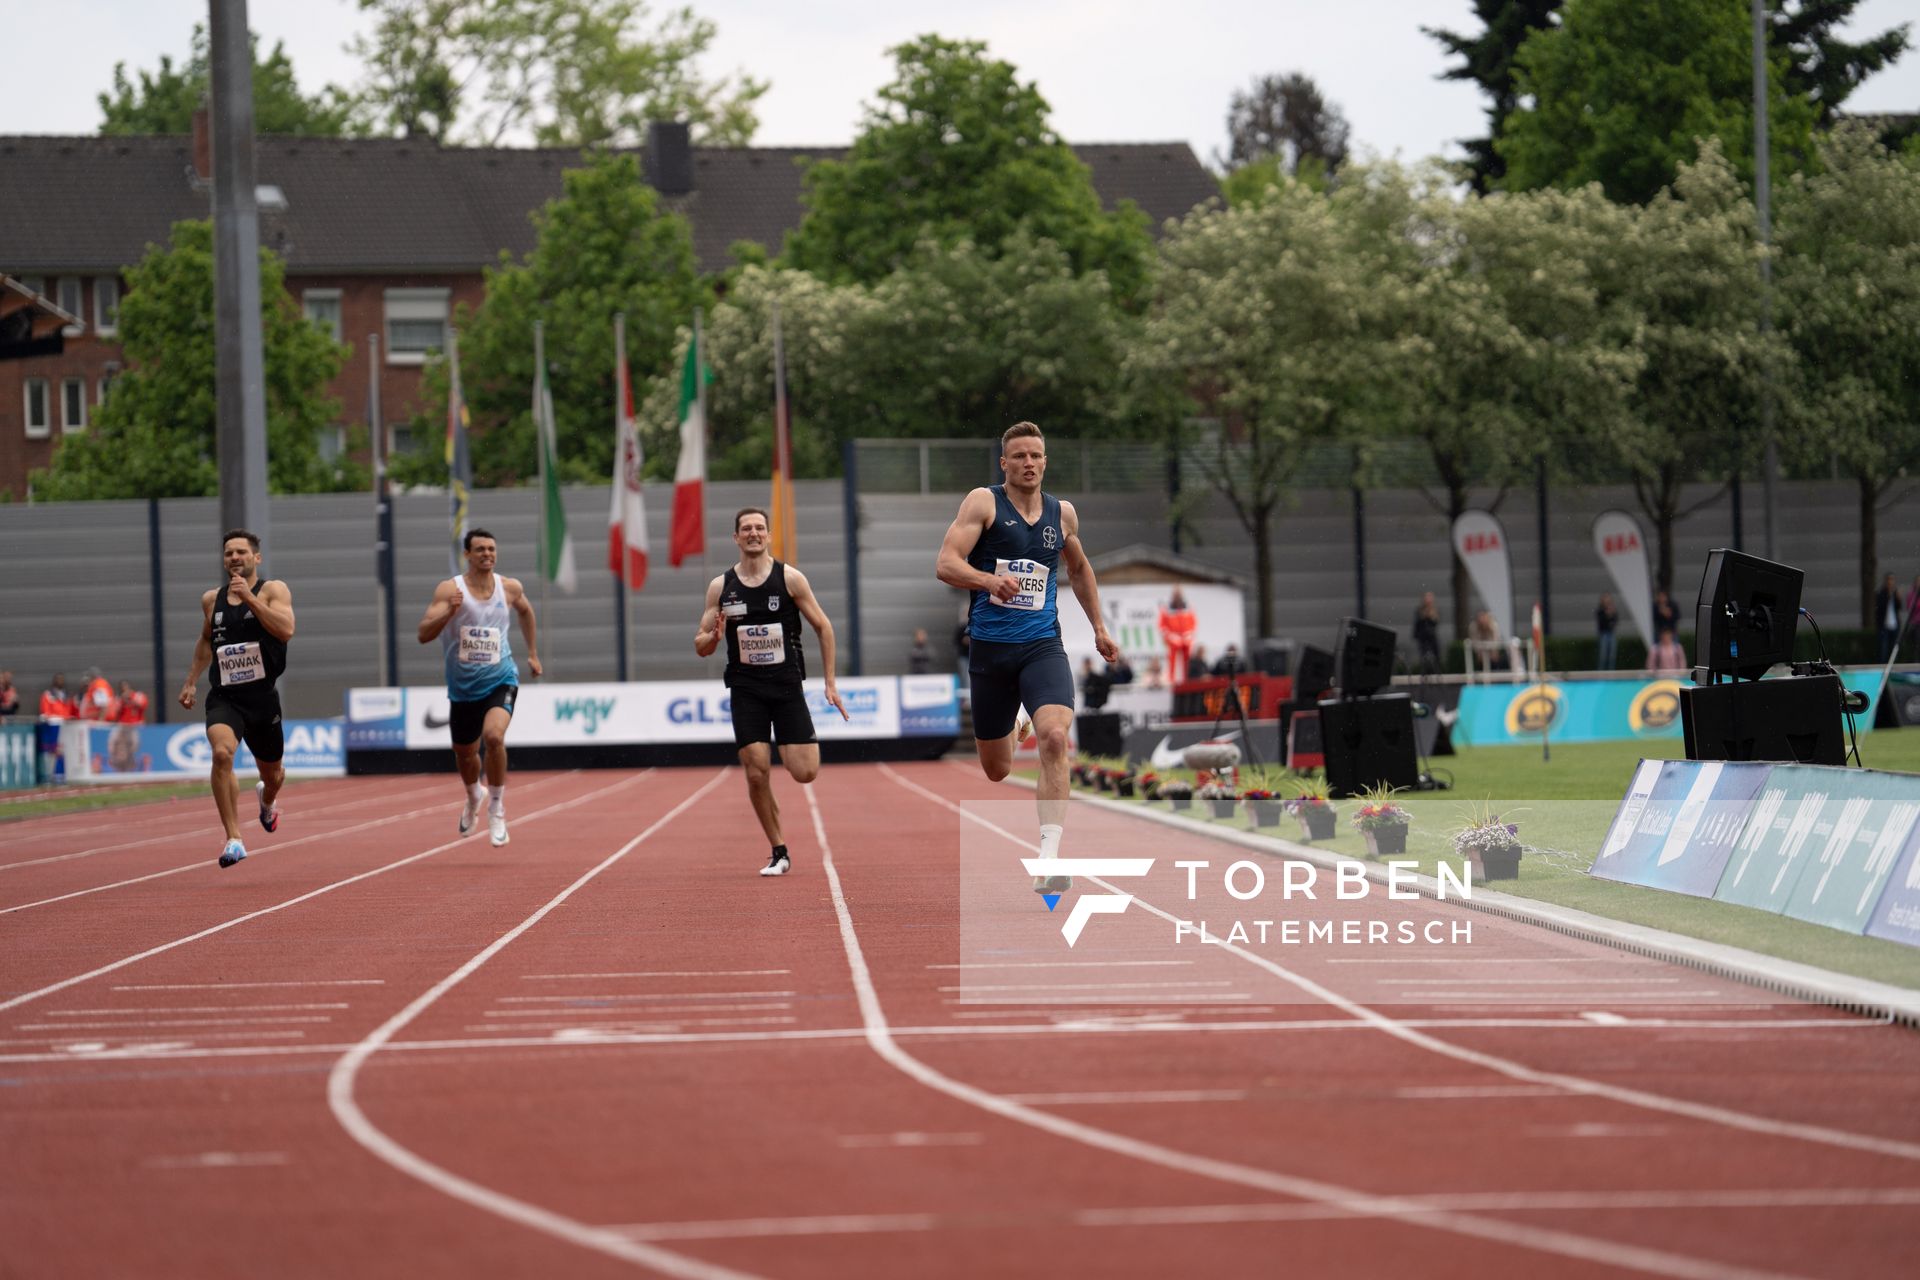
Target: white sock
[478, 791]
[497, 805]
[1050, 839]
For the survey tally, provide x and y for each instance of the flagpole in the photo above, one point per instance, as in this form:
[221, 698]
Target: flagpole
[540, 453]
[700, 398]
[620, 601]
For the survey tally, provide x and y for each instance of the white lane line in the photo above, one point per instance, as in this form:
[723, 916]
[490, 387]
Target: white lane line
[1224, 997]
[346, 1110]
[1061, 964]
[1078, 986]
[864, 1141]
[655, 995]
[1126, 1098]
[248, 985]
[1499, 1231]
[651, 1011]
[196, 1038]
[658, 973]
[1502, 1066]
[1634, 960]
[167, 1022]
[224, 925]
[218, 1160]
[829, 1225]
[1517, 982]
[198, 1008]
[574, 1031]
[1597, 1129]
[1479, 1091]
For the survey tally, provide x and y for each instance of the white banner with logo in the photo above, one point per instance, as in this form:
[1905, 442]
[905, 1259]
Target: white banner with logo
[1622, 548]
[1481, 543]
[1133, 620]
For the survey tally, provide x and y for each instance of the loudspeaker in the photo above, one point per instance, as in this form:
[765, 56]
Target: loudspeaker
[1100, 733]
[1314, 675]
[1366, 656]
[1795, 719]
[1271, 656]
[1368, 741]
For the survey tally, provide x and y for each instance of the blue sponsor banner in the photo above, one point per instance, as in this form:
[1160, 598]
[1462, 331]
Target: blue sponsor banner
[1593, 710]
[1679, 823]
[1897, 916]
[376, 718]
[1860, 831]
[314, 748]
[929, 706]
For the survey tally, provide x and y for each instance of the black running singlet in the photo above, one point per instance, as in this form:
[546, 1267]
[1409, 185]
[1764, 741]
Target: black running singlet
[763, 630]
[247, 658]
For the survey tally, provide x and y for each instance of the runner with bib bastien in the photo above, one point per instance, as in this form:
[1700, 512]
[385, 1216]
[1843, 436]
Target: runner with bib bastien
[471, 616]
[1007, 546]
[243, 637]
[756, 607]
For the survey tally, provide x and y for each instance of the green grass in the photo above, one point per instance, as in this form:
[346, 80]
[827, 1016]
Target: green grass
[1564, 806]
[82, 798]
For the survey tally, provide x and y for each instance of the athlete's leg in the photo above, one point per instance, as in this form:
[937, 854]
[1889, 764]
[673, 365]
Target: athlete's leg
[996, 756]
[273, 776]
[493, 739]
[802, 760]
[467, 756]
[1053, 725]
[226, 788]
[757, 759]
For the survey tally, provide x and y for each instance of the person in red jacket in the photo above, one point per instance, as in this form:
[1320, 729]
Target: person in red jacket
[130, 707]
[56, 703]
[1177, 625]
[97, 702]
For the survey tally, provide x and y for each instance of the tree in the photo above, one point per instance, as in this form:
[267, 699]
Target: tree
[154, 434]
[1487, 60]
[164, 101]
[1849, 300]
[958, 149]
[1624, 101]
[575, 73]
[1288, 119]
[1821, 67]
[604, 247]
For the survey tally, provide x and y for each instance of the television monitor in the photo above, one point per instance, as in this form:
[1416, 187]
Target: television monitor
[1748, 612]
[1365, 662]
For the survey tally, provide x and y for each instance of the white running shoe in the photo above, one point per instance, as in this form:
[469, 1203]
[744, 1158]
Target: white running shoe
[1052, 884]
[232, 852]
[777, 865]
[497, 828]
[469, 813]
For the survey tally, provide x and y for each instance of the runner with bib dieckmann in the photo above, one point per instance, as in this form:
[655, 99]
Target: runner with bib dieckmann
[243, 638]
[755, 608]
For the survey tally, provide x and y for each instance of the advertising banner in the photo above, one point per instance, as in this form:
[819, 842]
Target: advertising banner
[1897, 917]
[929, 706]
[1679, 823]
[1646, 816]
[1622, 548]
[1774, 847]
[19, 757]
[121, 752]
[1592, 710]
[1864, 825]
[1481, 543]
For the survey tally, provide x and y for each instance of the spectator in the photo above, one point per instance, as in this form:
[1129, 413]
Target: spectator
[56, 703]
[1667, 655]
[1230, 663]
[1155, 676]
[1606, 621]
[130, 707]
[920, 656]
[96, 702]
[1197, 668]
[1913, 615]
[1094, 686]
[1887, 608]
[1666, 616]
[1177, 625]
[1426, 632]
[1487, 644]
[9, 696]
[1120, 671]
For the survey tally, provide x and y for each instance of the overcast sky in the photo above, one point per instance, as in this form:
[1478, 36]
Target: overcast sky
[1113, 71]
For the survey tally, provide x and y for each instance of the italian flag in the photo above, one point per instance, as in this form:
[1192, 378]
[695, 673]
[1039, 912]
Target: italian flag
[627, 523]
[690, 476]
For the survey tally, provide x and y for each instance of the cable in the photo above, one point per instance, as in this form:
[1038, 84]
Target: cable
[1845, 709]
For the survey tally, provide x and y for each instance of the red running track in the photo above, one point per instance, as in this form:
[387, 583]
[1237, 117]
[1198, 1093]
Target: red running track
[611, 1047]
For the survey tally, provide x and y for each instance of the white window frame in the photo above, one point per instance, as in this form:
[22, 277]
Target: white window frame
[310, 296]
[416, 305]
[45, 426]
[73, 391]
[106, 305]
[337, 436]
[79, 308]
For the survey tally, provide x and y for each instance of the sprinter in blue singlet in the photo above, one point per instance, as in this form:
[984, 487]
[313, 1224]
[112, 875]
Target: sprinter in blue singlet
[1007, 546]
[470, 616]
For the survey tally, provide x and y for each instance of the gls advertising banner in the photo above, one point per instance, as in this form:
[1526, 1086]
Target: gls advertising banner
[314, 749]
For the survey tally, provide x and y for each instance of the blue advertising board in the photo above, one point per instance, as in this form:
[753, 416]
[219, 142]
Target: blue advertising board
[1679, 823]
[123, 752]
[1617, 710]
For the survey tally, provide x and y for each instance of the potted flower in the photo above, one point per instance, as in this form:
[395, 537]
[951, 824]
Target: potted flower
[1080, 774]
[1264, 805]
[1492, 847]
[1178, 793]
[1312, 805]
[1382, 822]
[1150, 786]
[1124, 782]
[1219, 797]
[1103, 779]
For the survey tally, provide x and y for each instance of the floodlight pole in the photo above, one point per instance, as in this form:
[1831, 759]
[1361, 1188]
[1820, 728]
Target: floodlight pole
[1762, 199]
[239, 362]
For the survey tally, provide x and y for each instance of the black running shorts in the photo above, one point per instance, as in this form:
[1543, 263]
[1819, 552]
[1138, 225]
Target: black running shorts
[466, 719]
[770, 713]
[1006, 677]
[255, 720]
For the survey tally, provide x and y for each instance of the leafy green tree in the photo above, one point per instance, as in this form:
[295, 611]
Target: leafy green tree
[1823, 68]
[1287, 118]
[604, 247]
[1622, 100]
[1487, 60]
[1849, 300]
[958, 149]
[575, 73]
[164, 101]
[154, 435]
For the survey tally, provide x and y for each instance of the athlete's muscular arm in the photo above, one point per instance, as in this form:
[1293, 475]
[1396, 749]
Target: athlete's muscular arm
[202, 650]
[976, 514]
[1085, 589]
[272, 604]
[440, 611]
[518, 602]
[712, 627]
[803, 599]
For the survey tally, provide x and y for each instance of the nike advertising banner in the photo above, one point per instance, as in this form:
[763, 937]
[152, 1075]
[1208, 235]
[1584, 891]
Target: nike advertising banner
[1481, 543]
[1622, 548]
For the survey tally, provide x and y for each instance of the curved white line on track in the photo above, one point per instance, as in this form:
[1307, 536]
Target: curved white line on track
[340, 1082]
[1503, 1066]
[224, 925]
[1398, 1208]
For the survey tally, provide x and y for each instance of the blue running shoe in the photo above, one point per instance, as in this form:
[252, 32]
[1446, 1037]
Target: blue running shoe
[232, 853]
[269, 813]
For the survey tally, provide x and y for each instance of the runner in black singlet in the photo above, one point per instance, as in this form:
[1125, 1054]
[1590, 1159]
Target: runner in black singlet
[243, 637]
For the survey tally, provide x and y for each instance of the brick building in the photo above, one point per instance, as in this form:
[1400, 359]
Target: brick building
[379, 236]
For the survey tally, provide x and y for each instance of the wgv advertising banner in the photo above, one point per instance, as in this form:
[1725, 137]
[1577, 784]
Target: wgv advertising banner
[314, 749]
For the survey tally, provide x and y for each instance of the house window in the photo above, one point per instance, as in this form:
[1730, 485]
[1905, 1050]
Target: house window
[106, 305]
[332, 442]
[72, 299]
[323, 308]
[416, 324]
[73, 404]
[39, 409]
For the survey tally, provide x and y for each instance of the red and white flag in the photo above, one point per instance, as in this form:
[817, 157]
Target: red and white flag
[627, 523]
[690, 476]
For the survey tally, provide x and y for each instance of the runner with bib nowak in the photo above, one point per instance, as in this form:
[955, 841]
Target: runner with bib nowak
[243, 638]
[756, 608]
[471, 616]
[1007, 546]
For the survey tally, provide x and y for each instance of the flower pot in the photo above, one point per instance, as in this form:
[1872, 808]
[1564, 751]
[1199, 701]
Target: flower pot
[1266, 813]
[1222, 808]
[1103, 782]
[1151, 791]
[1316, 822]
[1180, 803]
[1494, 864]
[1384, 840]
[1124, 788]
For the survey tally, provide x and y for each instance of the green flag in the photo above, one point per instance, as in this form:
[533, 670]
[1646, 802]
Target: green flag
[556, 545]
